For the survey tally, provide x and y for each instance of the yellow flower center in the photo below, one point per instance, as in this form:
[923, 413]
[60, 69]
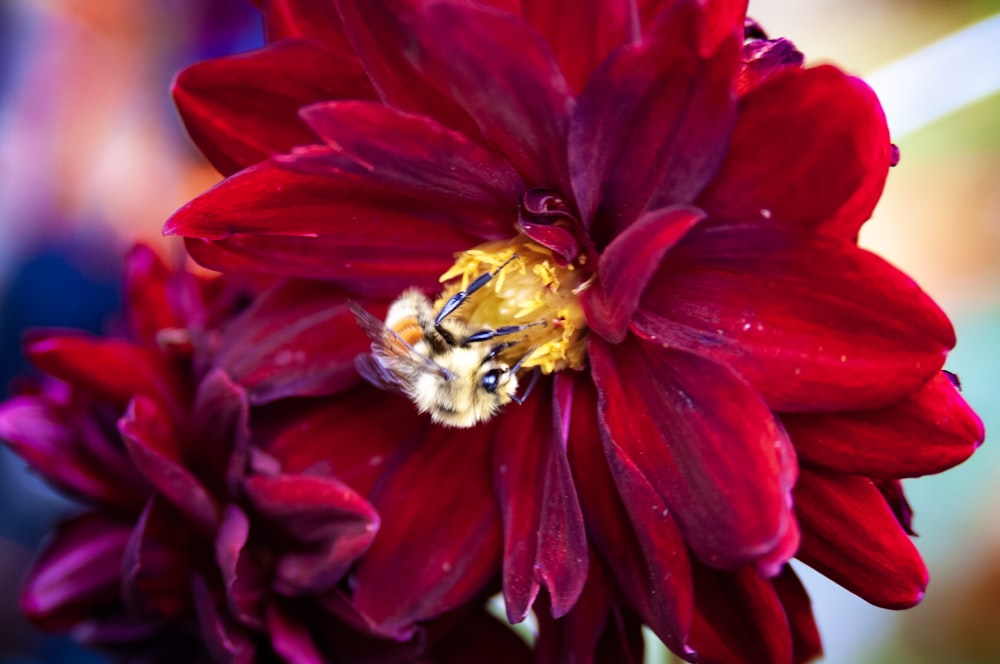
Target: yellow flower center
[530, 289]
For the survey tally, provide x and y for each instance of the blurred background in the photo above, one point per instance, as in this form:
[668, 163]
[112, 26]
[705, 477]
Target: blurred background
[93, 158]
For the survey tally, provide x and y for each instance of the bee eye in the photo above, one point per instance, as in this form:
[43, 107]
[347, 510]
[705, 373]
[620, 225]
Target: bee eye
[491, 380]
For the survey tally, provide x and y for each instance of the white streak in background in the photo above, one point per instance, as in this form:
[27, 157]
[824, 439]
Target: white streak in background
[941, 78]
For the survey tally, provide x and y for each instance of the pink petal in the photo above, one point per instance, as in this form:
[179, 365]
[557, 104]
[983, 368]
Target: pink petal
[296, 339]
[544, 538]
[850, 535]
[242, 109]
[291, 638]
[806, 642]
[500, 72]
[813, 323]
[626, 266]
[418, 158]
[342, 229]
[582, 34]
[652, 124]
[643, 549]
[931, 431]
[335, 524]
[352, 436]
[441, 536]
[704, 442]
[739, 618]
[77, 573]
[72, 449]
[834, 183]
[152, 443]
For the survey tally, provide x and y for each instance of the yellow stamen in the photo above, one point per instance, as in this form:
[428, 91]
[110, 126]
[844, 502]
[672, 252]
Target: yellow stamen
[530, 289]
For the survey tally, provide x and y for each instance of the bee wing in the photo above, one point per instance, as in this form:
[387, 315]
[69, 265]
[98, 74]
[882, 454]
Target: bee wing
[393, 349]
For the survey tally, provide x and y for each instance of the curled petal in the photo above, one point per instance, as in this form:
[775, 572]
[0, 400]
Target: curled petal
[335, 523]
[225, 639]
[544, 539]
[834, 184]
[242, 109]
[296, 339]
[705, 442]
[813, 323]
[441, 535]
[626, 266]
[806, 643]
[931, 431]
[245, 584]
[652, 125]
[850, 535]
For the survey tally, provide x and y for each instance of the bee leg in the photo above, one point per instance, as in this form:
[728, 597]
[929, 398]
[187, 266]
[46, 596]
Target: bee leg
[527, 391]
[456, 300]
[484, 335]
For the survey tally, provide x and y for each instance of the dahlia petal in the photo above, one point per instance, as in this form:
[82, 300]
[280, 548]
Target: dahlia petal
[303, 19]
[813, 323]
[480, 638]
[114, 370]
[931, 431]
[244, 581]
[241, 109]
[626, 266]
[763, 58]
[739, 618]
[806, 643]
[220, 415]
[77, 572]
[156, 566]
[152, 444]
[717, 469]
[415, 157]
[72, 451]
[850, 535]
[447, 524]
[270, 220]
[544, 538]
[582, 34]
[290, 638]
[335, 523]
[520, 102]
[652, 125]
[351, 437]
[149, 305]
[648, 559]
[833, 185]
[380, 32]
[224, 638]
[296, 339]
[892, 491]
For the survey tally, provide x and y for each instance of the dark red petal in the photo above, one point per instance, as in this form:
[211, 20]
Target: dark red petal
[652, 125]
[739, 618]
[648, 559]
[291, 638]
[544, 538]
[850, 535]
[335, 523]
[724, 18]
[441, 535]
[225, 639]
[482, 639]
[626, 266]
[73, 451]
[806, 643]
[303, 19]
[296, 339]
[114, 370]
[152, 443]
[342, 229]
[811, 149]
[149, 303]
[157, 564]
[931, 431]
[895, 497]
[245, 580]
[77, 573]
[582, 33]
[812, 322]
[416, 158]
[242, 109]
[707, 445]
[220, 419]
[501, 72]
[351, 436]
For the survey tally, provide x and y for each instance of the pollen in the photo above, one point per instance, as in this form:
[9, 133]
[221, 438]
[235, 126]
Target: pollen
[532, 288]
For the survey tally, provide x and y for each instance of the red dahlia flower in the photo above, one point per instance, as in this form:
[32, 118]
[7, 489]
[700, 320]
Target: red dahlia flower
[197, 543]
[727, 378]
